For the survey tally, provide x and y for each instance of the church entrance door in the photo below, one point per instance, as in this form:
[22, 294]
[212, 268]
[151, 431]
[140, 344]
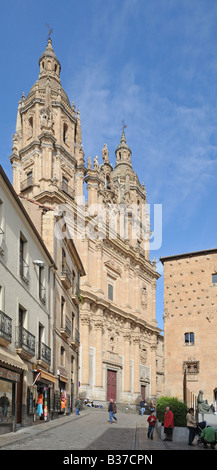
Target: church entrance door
[111, 385]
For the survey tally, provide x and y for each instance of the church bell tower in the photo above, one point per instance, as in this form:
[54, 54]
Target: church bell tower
[47, 155]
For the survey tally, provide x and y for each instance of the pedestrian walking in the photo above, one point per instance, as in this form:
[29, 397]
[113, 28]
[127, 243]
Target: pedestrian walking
[151, 424]
[112, 409]
[77, 406]
[168, 424]
[191, 424]
[142, 406]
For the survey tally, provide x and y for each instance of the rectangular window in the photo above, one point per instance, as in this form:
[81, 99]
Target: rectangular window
[24, 268]
[214, 278]
[110, 292]
[65, 184]
[29, 179]
[189, 338]
[42, 291]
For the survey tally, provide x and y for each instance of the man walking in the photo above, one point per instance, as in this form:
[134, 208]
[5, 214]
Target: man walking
[112, 409]
[142, 405]
[77, 406]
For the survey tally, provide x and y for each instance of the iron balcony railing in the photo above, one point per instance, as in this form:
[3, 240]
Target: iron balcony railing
[76, 336]
[44, 353]
[27, 183]
[67, 189]
[25, 340]
[66, 325]
[5, 327]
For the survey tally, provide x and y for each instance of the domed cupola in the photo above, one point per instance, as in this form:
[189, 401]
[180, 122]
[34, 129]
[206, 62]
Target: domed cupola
[49, 63]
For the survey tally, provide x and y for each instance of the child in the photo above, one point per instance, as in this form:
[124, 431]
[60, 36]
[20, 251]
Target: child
[151, 421]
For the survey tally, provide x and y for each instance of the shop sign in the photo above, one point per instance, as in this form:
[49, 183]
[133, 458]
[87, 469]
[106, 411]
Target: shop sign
[9, 375]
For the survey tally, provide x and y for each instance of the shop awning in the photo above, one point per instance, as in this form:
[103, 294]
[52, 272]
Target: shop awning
[12, 359]
[43, 374]
[63, 376]
[47, 376]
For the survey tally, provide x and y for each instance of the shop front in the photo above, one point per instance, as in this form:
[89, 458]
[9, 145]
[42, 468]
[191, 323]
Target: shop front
[40, 396]
[65, 399]
[11, 387]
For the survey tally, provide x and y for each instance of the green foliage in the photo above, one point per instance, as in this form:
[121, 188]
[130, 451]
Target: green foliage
[178, 408]
[80, 298]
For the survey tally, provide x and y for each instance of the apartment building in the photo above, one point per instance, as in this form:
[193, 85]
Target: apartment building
[27, 274]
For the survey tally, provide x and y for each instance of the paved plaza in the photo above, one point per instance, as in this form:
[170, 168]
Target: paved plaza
[91, 431]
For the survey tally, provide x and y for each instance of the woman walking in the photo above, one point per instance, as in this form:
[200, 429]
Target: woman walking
[191, 424]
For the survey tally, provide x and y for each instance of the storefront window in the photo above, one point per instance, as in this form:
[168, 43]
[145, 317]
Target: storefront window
[6, 402]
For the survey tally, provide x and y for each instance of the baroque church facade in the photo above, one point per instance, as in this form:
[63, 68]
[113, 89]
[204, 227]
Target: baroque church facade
[120, 345]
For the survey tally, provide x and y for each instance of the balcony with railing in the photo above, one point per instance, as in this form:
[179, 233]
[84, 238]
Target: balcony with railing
[27, 183]
[5, 329]
[75, 338]
[65, 188]
[66, 276]
[76, 296]
[66, 326]
[25, 343]
[44, 355]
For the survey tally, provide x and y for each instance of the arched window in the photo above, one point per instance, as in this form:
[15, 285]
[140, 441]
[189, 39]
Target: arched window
[65, 132]
[30, 126]
[107, 182]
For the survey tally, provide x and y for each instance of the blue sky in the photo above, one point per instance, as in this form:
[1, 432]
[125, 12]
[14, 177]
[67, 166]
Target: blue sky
[151, 63]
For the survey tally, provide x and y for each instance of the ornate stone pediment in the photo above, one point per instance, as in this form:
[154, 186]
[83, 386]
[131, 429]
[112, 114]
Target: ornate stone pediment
[113, 267]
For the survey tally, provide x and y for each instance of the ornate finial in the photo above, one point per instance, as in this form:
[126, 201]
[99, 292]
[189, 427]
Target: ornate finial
[50, 31]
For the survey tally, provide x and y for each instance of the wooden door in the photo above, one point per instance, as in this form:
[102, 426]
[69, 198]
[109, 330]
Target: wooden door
[111, 385]
[143, 392]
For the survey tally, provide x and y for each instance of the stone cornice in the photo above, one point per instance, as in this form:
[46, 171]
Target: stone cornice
[105, 304]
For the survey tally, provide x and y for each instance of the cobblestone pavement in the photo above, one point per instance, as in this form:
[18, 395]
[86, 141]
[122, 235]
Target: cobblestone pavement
[90, 431]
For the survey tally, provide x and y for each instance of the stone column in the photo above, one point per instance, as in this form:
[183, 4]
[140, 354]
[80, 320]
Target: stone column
[85, 341]
[99, 265]
[136, 342]
[99, 346]
[127, 336]
[153, 369]
[136, 289]
[127, 292]
[153, 302]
